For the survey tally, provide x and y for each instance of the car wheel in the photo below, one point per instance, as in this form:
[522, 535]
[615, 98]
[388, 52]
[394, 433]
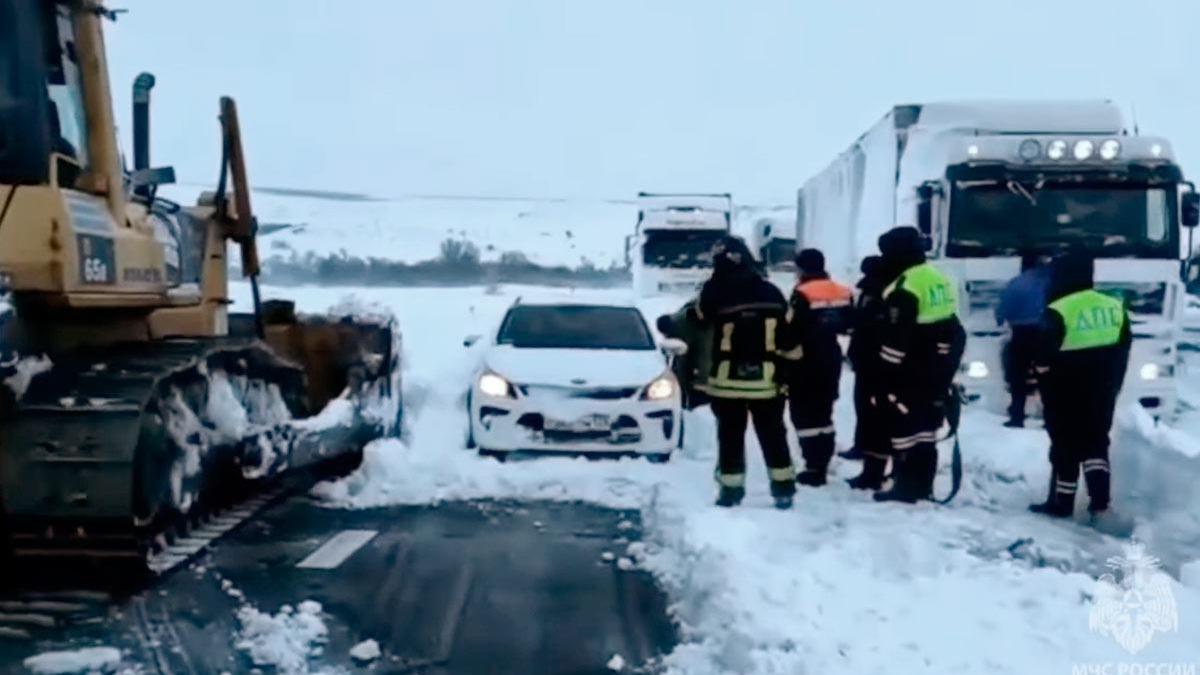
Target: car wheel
[659, 457]
[497, 455]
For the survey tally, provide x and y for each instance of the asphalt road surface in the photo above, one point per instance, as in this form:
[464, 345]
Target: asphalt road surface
[471, 587]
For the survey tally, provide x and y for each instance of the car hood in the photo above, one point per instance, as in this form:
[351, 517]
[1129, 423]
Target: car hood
[576, 367]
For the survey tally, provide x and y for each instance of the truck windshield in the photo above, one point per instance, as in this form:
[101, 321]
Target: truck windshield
[779, 254]
[680, 249]
[1107, 220]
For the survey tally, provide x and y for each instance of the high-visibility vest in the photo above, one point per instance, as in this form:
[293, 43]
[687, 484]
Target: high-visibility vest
[937, 296]
[1091, 320]
[825, 294]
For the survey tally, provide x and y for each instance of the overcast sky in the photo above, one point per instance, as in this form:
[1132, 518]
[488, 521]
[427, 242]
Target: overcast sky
[606, 97]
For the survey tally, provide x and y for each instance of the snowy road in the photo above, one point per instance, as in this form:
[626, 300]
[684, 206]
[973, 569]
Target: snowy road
[839, 583]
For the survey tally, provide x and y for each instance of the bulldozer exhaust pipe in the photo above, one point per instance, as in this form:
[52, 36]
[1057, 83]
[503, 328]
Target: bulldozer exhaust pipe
[141, 120]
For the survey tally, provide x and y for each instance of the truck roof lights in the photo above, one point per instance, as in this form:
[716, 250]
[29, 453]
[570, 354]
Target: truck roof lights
[1110, 149]
[1084, 149]
[973, 150]
[1030, 149]
[1056, 149]
[1156, 150]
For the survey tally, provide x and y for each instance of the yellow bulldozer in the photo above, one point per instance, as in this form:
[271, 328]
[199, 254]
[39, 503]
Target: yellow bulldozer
[133, 404]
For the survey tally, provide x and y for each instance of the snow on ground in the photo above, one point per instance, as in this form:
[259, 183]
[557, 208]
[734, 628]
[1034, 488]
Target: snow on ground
[412, 229]
[285, 640]
[840, 583]
[87, 660]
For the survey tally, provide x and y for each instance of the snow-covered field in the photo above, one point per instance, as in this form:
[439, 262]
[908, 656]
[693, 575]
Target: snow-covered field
[550, 232]
[840, 583]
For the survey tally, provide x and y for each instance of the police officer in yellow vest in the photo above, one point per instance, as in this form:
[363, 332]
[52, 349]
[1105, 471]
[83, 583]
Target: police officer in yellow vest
[1084, 351]
[922, 343]
[746, 313]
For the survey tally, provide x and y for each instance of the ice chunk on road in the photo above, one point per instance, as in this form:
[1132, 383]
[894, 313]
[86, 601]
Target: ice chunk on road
[284, 640]
[367, 650]
[87, 660]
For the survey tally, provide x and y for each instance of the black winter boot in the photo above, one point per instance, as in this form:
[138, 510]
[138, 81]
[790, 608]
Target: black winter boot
[818, 452]
[913, 472]
[811, 478]
[730, 496]
[1060, 503]
[853, 454]
[871, 477]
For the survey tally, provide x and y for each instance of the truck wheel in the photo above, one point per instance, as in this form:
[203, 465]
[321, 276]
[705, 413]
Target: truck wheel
[659, 457]
[497, 455]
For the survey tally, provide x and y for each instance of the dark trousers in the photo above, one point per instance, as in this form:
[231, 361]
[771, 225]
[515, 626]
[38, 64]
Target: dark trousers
[812, 416]
[912, 426]
[870, 425]
[1019, 354]
[732, 416]
[1078, 423]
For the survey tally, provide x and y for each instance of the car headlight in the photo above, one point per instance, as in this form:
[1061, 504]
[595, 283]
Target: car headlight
[491, 384]
[1149, 371]
[977, 369]
[660, 389]
[1110, 149]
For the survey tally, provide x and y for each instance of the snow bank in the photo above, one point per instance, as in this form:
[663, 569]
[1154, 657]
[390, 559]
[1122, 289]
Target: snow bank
[87, 660]
[1189, 574]
[1158, 433]
[285, 640]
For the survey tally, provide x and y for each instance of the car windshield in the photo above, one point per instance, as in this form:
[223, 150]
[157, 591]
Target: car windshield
[575, 327]
[1107, 220]
[680, 248]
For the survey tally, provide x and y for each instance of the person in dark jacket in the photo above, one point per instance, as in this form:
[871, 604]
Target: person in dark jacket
[921, 346]
[692, 367]
[818, 311]
[871, 443]
[747, 314]
[1081, 363]
[1021, 306]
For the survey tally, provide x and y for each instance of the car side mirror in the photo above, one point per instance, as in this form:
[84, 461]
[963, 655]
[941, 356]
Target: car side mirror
[1190, 212]
[470, 340]
[673, 346]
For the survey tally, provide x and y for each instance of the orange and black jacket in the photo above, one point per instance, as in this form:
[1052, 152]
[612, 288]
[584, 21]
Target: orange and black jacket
[818, 311]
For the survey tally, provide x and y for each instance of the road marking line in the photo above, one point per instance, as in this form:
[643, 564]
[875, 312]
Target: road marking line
[334, 552]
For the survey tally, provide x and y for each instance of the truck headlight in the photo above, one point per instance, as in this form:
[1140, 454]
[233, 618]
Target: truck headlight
[1149, 371]
[660, 389]
[1056, 149]
[1084, 149]
[977, 370]
[1110, 149]
[495, 386]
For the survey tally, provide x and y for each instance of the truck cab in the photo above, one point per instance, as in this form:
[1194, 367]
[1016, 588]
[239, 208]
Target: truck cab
[670, 251]
[988, 181]
[773, 241]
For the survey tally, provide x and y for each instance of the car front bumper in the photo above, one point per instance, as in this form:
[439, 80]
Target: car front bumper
[591, 426]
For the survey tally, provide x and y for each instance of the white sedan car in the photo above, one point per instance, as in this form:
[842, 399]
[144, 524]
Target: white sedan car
[575, 378]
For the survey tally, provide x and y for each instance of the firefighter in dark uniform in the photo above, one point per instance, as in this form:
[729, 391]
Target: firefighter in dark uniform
[818, 312]
[1081, 364]
[871, 442]
[921, 346]
[747, 316]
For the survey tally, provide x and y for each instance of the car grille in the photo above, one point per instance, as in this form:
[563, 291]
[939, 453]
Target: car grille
[595, 393]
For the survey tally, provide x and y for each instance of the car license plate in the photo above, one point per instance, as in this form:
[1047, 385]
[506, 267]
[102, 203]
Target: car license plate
[587, 423]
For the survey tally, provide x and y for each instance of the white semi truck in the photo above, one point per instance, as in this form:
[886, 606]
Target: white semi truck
[988, 181]
[670, 249]
[773, 241]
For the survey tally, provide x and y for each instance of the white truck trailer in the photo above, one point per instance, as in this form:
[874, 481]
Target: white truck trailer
[986, 181]
[670, 249]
